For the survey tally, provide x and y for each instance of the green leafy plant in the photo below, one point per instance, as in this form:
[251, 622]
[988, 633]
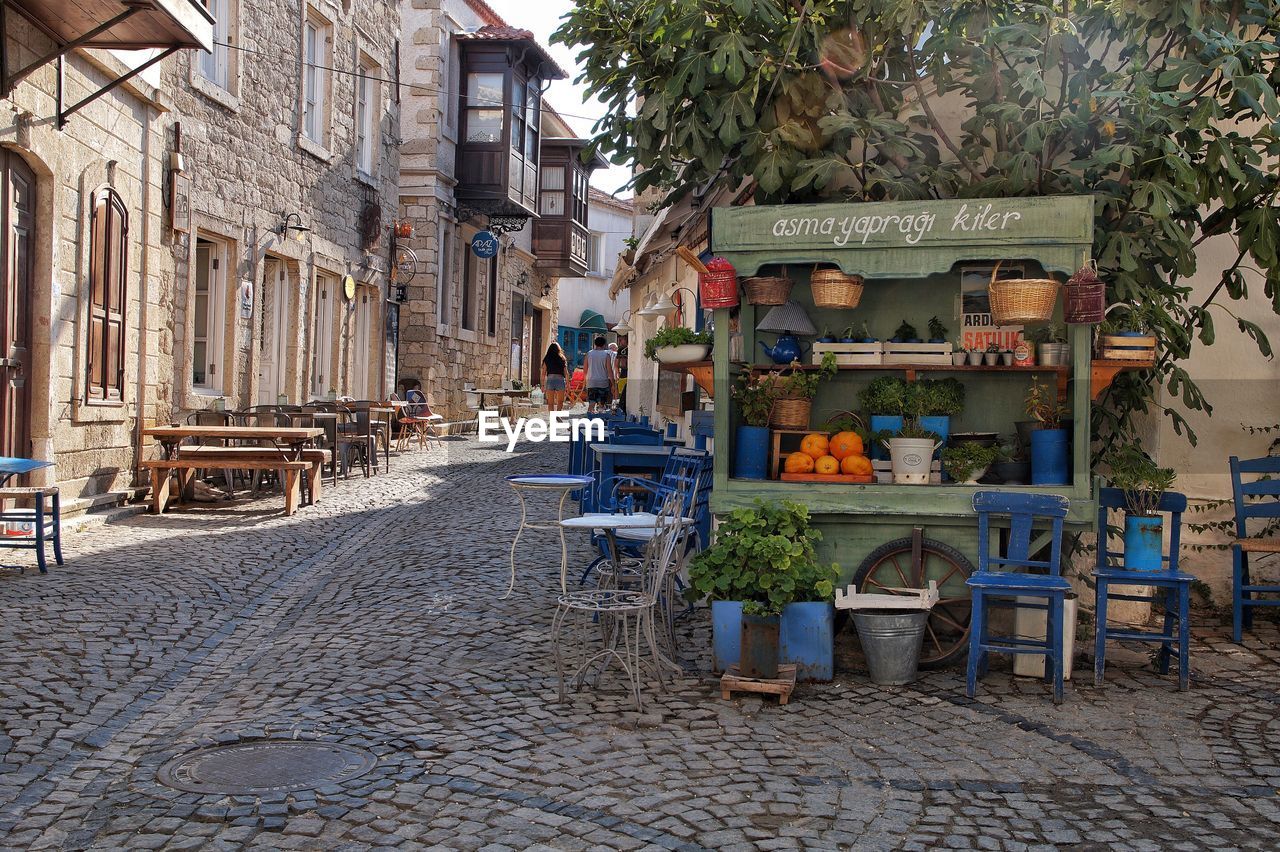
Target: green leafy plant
[754, 398]
[1043, 407]
[911, 428]
[906, 331]
[1163, 112]
[791, 383]
[963, 460]
[866, 331]
[1050, 332]
[1140, 478]
[937, 331]
[885, 395]
[935, 397]
[763, 556]
[674, 335]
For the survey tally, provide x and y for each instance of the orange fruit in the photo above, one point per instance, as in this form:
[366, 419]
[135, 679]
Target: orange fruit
[846, 444]
[857, 465]
[827, 464]
[814, 445]
[798, 463]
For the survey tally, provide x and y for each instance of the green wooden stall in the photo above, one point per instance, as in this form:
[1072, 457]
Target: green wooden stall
[911, 255]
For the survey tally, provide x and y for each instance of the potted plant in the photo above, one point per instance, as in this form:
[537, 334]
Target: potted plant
[937, 331]
[959, 357]
[906, 333]
[966, 463]
[884, 400]
[678, 345]
[911, 453]
[754, 399]
[1050, 463]
[827, 337]
[1006, 357]
[1144, 484]
[794, 389]
[848, 336]
[992, 355]
[975, 356]
[934, 402]
[1051, 344]
[866, 337]
[770, 596]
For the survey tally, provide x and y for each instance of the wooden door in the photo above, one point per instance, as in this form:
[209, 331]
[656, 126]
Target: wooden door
[18, 201]
[536, 350]
[273, 343]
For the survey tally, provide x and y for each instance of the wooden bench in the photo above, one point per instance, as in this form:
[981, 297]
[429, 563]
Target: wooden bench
[191, 459]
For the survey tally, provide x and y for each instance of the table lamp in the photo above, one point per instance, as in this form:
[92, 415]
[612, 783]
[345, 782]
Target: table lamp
[789, 320]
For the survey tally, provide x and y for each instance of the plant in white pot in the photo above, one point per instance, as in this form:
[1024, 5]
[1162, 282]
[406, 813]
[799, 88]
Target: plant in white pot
[911, 453]
[678, 345]
[967, 462]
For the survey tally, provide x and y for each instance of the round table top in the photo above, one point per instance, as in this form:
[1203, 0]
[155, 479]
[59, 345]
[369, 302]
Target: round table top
[549, 480]
[637, 520]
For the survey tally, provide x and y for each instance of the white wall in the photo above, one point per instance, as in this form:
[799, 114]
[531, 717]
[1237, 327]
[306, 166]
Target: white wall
[592, 291]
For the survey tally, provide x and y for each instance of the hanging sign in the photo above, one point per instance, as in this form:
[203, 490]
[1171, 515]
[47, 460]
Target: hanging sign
[349, 287]
[484, 245]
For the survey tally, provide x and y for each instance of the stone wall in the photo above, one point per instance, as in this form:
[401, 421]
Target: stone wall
[251, 165]
[111, 142]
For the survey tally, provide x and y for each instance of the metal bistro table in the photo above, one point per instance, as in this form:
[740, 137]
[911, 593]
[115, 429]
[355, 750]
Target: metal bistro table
[11, 467]
[499, 392]
[548, 483]
[633, 457]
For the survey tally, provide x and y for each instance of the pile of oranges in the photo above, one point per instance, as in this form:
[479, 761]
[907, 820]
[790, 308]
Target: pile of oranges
[841, 453]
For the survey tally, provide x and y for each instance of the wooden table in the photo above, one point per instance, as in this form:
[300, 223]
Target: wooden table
[500, 392]
[287, 453]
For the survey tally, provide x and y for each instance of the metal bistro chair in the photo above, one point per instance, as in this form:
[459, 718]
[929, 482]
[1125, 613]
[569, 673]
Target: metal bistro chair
[993, 580]
[418, 421]
[621, 616]
[44, 519]
[1259, 498]
[1174, 586]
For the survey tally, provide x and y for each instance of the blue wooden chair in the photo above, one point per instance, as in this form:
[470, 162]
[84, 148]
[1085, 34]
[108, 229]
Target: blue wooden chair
[1173, 590]
[997, 580]
[1251, 501]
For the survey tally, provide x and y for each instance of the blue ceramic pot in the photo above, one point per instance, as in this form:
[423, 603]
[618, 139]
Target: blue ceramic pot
[751, 452]
[1143, 543]
[1050, 463]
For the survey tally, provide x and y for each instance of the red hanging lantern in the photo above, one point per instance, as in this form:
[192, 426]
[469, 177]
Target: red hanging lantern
[719, 284]
[1085, 297]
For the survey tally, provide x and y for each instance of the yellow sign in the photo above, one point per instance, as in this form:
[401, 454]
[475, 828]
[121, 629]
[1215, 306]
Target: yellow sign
[349, 287]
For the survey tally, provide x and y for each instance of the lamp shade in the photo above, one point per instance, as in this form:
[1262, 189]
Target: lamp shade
[787, 318]
[649, 309]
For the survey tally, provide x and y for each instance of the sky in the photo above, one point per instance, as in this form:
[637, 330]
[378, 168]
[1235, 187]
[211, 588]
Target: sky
[542, 17]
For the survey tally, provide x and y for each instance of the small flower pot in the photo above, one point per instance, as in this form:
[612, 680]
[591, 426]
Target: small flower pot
[960, 358]
[1050, 462]
[975, 359]
[1006, 358]
[751, 452]
[1143, 543]
[912, 459]
[990, 358]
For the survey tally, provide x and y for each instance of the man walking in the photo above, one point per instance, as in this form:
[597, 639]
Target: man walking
[601, 376]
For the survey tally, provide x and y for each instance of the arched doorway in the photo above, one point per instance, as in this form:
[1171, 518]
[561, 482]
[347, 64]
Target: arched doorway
[17, 239]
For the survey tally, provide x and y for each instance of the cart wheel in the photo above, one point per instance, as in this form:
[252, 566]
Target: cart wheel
[946, 637]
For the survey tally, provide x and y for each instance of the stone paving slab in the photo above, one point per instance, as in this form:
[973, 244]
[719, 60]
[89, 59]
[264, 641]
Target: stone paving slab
[374, 619]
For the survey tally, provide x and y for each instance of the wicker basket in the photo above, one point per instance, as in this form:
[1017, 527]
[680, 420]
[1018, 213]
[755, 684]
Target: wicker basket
[1016, 301]
[767, 290]
[791, 412]
[834, 289]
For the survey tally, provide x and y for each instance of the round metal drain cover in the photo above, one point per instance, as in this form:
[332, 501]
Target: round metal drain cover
[266, 766]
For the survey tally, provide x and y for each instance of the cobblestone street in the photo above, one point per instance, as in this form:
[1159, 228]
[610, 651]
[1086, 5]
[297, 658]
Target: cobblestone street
[374, 620]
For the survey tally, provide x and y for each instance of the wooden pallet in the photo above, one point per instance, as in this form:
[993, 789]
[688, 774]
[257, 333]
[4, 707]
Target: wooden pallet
[781, 686]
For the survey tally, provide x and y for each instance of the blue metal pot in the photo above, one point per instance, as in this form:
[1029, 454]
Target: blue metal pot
[1143, 543]
[883, 423]
[805, 638]
[751, 452]
[786, 350]
[1050, 463]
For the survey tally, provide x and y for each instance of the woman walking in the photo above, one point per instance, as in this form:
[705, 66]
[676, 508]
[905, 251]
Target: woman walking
[554, 367]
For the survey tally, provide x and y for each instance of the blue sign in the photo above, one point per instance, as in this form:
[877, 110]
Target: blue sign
[484, 245]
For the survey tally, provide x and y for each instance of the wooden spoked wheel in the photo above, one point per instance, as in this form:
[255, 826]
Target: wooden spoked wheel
[894, 565]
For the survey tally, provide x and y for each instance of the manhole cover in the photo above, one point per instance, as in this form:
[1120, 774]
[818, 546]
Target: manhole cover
[266, 766]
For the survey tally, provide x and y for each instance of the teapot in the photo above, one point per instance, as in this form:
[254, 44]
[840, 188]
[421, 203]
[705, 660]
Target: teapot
[787, 349]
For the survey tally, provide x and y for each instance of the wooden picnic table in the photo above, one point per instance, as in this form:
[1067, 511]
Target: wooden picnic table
[500, 392]
[287, 453]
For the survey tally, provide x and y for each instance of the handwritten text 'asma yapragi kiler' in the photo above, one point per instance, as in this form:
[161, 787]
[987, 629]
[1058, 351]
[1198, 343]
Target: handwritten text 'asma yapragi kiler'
[913, 226]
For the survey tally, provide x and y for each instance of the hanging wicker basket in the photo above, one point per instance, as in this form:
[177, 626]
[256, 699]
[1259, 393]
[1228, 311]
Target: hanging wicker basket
[834, 289]
[767, 289]
[1084, 299]
[791, 412]
[1017, 301]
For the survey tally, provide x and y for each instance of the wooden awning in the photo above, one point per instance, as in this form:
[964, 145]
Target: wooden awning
[121, 24]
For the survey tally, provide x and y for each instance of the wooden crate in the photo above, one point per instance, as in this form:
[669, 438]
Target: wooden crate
[851, 354]
[918, 353]
[883, 470]
[776, 455]
[848, 478]
[782, 686]
[1116, 347]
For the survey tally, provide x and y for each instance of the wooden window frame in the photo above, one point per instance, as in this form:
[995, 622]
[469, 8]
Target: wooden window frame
[108, 254]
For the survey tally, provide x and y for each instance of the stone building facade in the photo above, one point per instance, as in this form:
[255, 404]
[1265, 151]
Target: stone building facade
[289, 138]
[459, 326]
[105, 165]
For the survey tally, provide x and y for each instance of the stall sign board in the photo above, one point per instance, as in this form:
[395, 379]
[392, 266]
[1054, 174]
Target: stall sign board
[484, 245]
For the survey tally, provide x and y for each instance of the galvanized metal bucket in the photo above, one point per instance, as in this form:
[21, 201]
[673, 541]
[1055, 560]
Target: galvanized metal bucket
[891, 642]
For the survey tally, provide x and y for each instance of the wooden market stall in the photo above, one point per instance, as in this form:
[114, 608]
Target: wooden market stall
[913, 256]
